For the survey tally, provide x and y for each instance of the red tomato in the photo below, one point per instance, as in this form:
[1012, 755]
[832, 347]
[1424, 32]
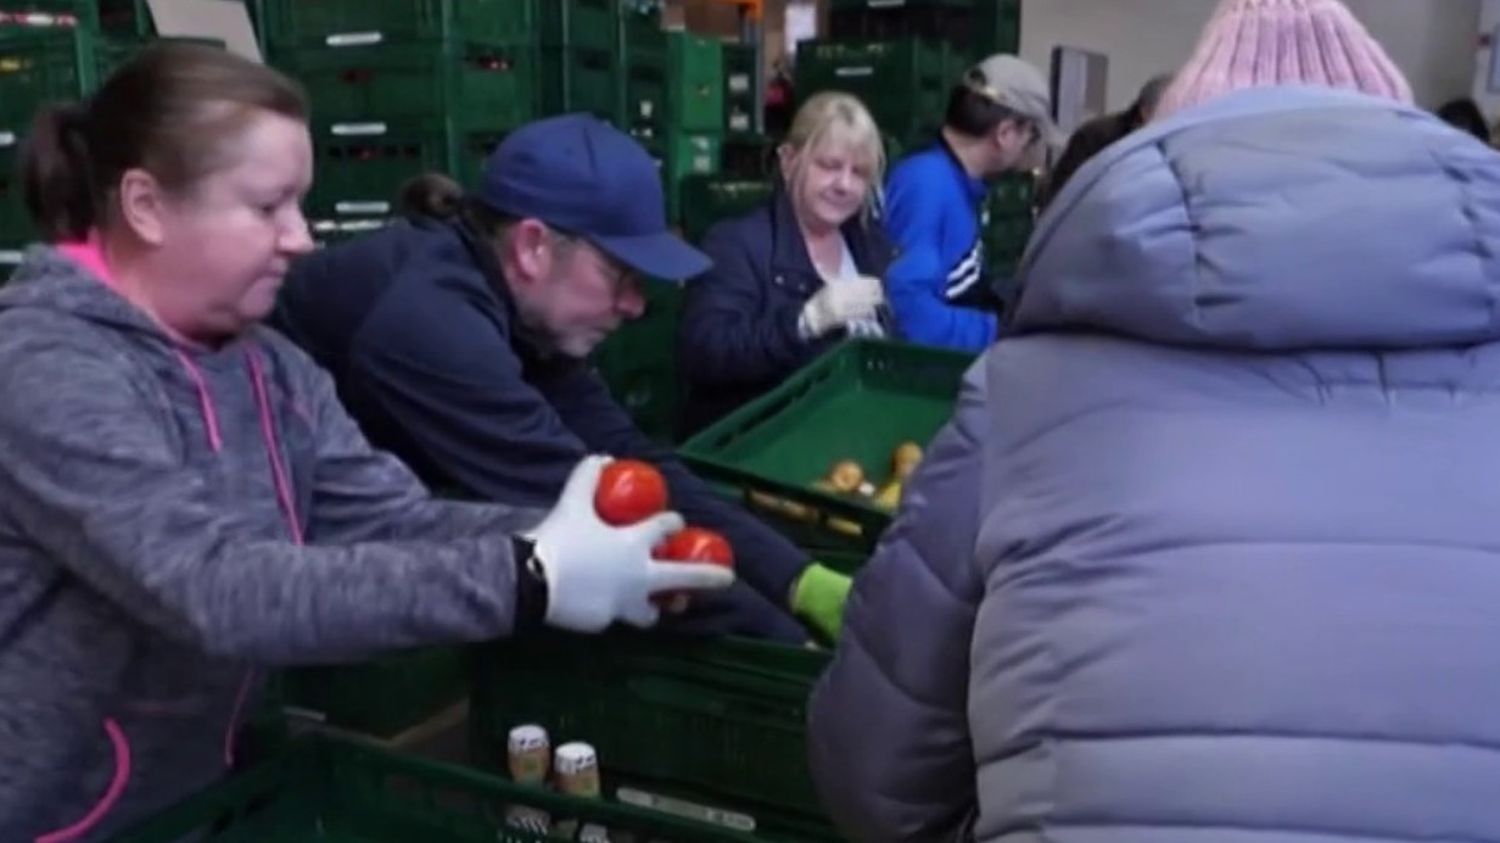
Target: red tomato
[691, 544]
[695, 544]
[629, 491]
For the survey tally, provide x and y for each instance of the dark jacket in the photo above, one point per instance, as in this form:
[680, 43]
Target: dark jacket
[1089, 140]
[738, 334]
[1208, 553]
[420, 332]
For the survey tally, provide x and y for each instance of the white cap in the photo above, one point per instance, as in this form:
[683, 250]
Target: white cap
[1008, 81]
[527, 738]
[573, 758]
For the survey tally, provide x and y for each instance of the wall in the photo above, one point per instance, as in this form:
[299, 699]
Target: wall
[1489, 21]
[1433, 41]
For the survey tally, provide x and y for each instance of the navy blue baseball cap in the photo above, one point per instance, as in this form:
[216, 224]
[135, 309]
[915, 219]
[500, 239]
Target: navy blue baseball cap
[587, 178]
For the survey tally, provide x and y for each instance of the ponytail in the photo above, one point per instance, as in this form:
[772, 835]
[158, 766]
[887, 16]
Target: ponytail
[56, 180]
[431, 195]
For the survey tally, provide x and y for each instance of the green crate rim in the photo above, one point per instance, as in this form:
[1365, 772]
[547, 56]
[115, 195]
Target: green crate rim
[822, 510]
[315, 758]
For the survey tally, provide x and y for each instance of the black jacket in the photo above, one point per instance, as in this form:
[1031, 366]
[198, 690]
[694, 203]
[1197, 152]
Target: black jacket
[738, 334]
[421, 335]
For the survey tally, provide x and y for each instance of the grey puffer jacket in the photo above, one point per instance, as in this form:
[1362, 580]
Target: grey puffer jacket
[173, 519]
[1210, 553]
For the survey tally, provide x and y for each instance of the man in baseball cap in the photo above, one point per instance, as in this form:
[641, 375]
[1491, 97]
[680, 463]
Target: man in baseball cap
[999, 116]
[460, 344]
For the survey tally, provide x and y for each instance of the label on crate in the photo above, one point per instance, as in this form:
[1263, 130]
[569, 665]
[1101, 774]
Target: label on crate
[356, 226]
[647, 109]
[345, 130]
[739, 83]
[859, 70]
[703, 163]
[374, 207]
[7, 139]
[739, 122]
[683, 808]
[354, 39]
[10, 256]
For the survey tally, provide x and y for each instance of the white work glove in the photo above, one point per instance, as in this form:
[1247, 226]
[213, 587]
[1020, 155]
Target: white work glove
[839, 303]
[597, 574]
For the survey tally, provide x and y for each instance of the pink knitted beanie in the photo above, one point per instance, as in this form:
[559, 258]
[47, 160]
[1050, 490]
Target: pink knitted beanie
[1263, 43]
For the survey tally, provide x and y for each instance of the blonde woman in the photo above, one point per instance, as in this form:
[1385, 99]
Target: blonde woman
[796, 276]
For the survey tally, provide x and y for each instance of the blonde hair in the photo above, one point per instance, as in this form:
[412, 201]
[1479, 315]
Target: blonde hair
[840, 118]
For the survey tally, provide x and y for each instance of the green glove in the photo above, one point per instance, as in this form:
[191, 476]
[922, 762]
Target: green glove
[818, 597]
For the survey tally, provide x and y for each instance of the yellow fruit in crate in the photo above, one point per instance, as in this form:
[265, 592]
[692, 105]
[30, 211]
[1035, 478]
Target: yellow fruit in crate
[889, 496]
[905, 459]
[844, 478]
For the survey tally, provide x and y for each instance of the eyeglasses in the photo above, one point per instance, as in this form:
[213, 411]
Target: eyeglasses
[622, 279]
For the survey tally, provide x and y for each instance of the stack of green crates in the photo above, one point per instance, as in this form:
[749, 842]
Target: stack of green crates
[639, 362]
[643, 77]
[62, 55]
[1009, 215]
[695, 112]
[402, 87]
[709, 199]
[742, 102]
[904, 82]
[580, 44]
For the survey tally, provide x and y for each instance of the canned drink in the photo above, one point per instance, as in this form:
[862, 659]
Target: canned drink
[577, 769]
[528, 753]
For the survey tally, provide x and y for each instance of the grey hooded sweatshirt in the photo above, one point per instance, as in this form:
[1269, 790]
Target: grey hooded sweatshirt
[173, 519]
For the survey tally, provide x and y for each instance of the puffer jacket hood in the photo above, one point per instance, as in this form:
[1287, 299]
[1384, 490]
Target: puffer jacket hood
[1263, 221]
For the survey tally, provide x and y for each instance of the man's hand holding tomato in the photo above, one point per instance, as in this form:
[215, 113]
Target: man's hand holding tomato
[630, 491]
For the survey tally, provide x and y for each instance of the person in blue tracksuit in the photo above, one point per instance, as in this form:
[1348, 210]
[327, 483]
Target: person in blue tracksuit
[997, 115]
[461, 345]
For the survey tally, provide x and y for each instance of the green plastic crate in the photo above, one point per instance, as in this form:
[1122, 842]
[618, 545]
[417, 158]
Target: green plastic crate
[840, 5]
[709, 199]
[997, 27]
[420, 84]
[42, 66]
[360, 167]
[720, 724]
[639, 362]
[857, 402]
[688, 154]
[383, 697]
[575, 79]
[294, 24]
[695, 69]
[583, 24]
[15, 222]
[641, 33]
[322, 789]
[904, 83]
[741, 93]
[644, 115]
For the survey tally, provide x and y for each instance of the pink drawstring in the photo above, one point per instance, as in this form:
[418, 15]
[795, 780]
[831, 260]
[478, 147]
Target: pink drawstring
[112, 793]
[273, 446]
[205, 401]
[288, 509]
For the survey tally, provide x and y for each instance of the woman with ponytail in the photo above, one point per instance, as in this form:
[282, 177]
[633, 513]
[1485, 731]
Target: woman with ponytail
[183, 501]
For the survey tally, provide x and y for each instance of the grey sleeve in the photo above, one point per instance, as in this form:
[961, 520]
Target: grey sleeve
[95, 481]
[888, 735]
